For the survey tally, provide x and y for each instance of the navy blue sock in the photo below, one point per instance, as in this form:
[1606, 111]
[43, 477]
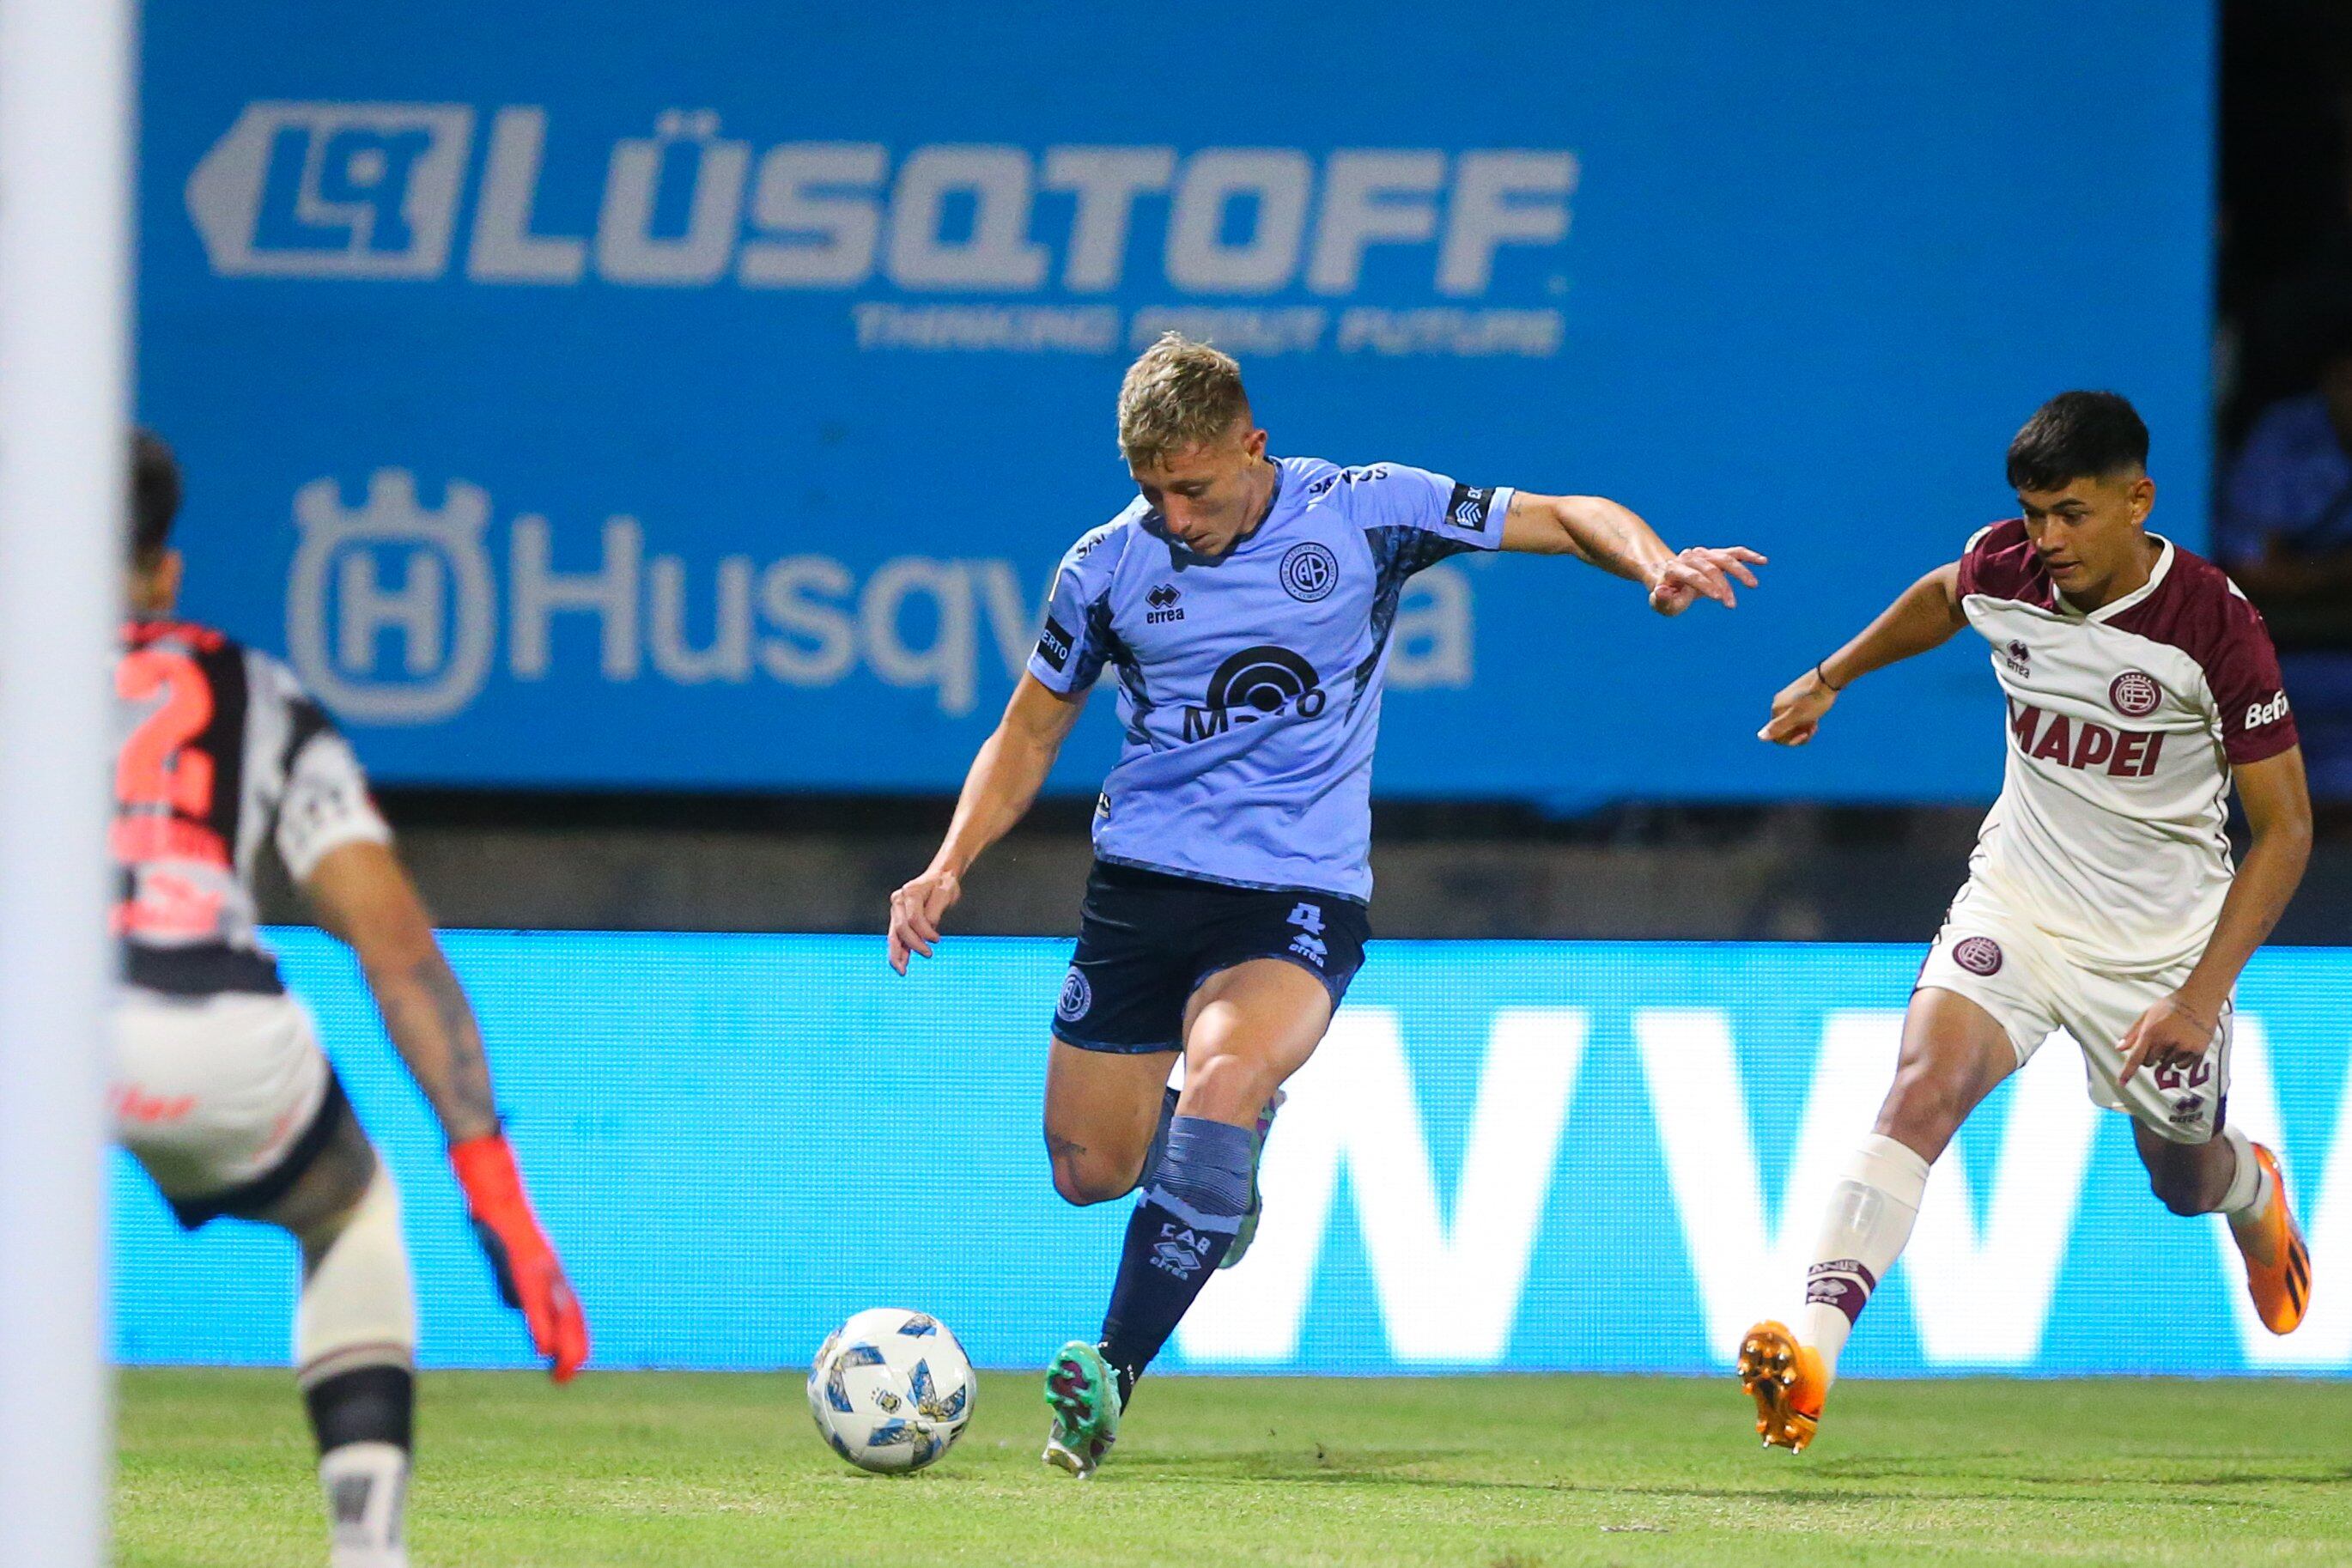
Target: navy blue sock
[1159, 1149]
[1179, 1232]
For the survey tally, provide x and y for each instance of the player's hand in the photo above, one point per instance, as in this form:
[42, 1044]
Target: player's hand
[1700, 572]
[530, 1275]
[1797, 710]
[2172, 1030]
[915, 911]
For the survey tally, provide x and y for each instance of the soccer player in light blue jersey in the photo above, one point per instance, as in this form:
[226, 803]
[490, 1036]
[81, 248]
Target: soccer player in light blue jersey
[1245, 603]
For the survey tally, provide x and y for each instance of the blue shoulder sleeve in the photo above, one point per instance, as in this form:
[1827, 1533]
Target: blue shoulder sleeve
[1414, 518]
[1076, 637]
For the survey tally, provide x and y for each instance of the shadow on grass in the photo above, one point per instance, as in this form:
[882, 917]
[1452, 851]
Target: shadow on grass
[1851, 1483]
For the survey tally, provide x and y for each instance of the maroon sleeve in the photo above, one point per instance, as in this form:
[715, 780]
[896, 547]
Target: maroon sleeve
[1999, 562]
[2243, 672]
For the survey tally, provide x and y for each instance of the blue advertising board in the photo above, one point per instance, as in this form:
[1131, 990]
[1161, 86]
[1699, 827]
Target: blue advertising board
[623, 395]
[1511, 1156]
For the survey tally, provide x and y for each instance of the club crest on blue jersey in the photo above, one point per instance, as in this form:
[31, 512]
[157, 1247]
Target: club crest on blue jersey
[1274, 653]
[1309, 572]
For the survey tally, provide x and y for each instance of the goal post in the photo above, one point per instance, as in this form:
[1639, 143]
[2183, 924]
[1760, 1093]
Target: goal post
[65, 160]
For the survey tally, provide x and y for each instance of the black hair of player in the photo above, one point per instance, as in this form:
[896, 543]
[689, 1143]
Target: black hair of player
[2078, 436]
[154, 495]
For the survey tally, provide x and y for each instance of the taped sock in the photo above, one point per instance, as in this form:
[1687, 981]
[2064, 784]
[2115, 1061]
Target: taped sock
[2251, 1187]
[1870, 1215]
[1179, 1230]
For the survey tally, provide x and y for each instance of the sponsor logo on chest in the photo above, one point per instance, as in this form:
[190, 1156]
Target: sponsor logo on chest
[2079, 743]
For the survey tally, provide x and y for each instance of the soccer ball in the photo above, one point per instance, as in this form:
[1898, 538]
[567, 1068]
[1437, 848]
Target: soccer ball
[891, 1390]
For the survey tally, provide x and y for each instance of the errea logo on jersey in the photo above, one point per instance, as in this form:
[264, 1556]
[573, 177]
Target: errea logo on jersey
[373, 191]
[2270, 712]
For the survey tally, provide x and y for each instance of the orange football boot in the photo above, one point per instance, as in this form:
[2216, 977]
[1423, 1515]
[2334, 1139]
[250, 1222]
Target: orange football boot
[2278, 1265]
[1787, 1383]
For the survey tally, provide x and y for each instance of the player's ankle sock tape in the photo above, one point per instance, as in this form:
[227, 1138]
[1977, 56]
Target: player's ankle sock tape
[367, 1486]
[1175, 1238]
[369, 1404]
[1871, 1211]
[1159, 1150]
[2247, 1186]
[356, 1309]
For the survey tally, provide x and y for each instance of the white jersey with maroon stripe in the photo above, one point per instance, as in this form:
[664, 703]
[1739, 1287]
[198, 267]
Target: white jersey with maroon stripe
[2110, 832]
[220, 751]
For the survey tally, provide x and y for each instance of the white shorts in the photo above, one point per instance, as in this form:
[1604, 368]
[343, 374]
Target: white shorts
[2015, 972]
[225, 1100]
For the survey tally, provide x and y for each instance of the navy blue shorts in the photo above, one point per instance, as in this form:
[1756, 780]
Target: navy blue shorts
[1146, 940]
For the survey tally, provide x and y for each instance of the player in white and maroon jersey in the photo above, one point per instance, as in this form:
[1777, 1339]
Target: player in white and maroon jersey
[220, 1088]
[2101, 899]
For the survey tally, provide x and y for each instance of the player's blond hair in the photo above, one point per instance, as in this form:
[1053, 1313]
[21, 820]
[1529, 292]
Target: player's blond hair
[1177, 394]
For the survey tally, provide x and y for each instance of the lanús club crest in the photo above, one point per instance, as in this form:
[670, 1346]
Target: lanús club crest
[2135, 694]
[1977, 955]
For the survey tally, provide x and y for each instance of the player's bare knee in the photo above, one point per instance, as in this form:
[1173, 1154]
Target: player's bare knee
[2179, 1179]
[2177, 1193]
[1085, 1176]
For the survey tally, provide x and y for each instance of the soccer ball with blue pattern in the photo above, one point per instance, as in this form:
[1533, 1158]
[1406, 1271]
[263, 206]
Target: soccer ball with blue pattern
[891, 1390]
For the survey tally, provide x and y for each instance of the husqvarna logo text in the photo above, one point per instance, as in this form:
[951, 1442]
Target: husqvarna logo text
[402, 606]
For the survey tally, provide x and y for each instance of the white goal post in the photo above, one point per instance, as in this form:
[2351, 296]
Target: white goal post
[65, 160]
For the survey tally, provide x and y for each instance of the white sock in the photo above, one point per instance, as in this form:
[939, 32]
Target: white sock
[357, 1308]
[367, 1496]
[1869, 1220]
[2250, 1185]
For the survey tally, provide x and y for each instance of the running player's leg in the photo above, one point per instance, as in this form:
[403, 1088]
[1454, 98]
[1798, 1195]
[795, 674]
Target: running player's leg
[1106, 1112]
[1117, 1025]
[1248, 1028]
[355, 1338]
[229, 1105]
[2197, 1163]
[1954, 1053]
[2233, 1176]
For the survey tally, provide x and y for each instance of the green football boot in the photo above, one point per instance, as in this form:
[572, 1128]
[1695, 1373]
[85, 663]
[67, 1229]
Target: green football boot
[1248, 1232]
[1082, 1390]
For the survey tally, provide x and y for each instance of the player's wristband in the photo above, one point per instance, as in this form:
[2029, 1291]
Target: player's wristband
[486, 1169]
[1822, 675]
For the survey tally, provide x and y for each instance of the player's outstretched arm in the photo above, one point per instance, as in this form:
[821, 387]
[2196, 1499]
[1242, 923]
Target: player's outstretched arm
[2278, 815]
[1925, 617]
[1004, 780]
[363, 895]
[1599, 530]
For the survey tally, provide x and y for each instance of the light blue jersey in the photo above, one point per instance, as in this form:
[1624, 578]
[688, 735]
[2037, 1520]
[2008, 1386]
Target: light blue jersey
[1250, 686]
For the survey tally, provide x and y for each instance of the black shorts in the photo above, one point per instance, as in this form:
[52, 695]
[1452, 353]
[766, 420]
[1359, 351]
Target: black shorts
[1146, 940]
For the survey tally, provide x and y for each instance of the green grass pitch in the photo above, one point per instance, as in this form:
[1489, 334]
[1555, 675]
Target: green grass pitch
[1496, 1472]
